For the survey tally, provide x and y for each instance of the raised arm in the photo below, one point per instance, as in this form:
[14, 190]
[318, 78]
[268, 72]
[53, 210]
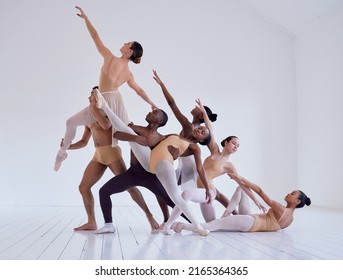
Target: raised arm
[103, 50]
[186, 124]
[212, 146]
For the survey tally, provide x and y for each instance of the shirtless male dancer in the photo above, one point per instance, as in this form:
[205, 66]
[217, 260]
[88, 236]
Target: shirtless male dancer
[105, 157]
[136, 174]
[114, 73]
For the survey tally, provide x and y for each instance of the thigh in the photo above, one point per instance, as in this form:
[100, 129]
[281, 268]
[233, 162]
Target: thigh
[118, 166]
[84, 117]
[92, 174]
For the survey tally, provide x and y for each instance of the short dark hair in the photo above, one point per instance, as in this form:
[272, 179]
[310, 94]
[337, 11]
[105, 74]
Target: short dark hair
[165, 118]
[96, 87]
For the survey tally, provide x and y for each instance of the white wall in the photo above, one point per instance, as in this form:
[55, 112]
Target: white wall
[220, 51]
[319, 60]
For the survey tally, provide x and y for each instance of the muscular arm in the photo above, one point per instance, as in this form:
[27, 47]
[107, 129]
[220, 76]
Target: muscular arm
[83, 141]
[123, 136]
[186, 125]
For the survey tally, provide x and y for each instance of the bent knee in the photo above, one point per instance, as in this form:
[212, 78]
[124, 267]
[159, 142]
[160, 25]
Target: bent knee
[186, 195]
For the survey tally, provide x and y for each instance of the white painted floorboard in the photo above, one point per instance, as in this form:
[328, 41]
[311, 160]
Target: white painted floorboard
[46, 233]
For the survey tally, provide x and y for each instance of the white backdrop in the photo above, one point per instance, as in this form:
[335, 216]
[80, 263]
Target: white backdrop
[236, 62]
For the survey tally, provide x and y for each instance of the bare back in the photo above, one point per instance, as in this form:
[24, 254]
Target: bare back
[114, 73]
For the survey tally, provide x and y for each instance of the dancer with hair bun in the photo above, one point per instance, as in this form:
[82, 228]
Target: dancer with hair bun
[114, 73]
[277, 217]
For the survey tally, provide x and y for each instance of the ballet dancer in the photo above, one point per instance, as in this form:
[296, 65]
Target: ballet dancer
[105, 156]
[160, 162]
[186, 170]
[136, 175]
[114, 73]
[277, 217]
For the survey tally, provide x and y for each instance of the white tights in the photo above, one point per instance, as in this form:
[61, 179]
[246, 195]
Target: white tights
[165, 172]
[141, 152]
[241, 222]
[197, 195]
[114, 102]
[84, 117]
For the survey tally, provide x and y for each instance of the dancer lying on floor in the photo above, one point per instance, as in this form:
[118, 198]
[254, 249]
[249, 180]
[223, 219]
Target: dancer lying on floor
[277, 217]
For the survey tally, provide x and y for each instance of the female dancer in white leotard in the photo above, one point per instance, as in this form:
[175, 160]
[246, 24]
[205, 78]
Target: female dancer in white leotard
[160, 161]
[114, 73]
[277, 217]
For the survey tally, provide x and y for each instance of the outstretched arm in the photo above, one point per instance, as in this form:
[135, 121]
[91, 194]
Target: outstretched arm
[186, 125]
[104, 51]
[257, 189]
[132, 84]
[123, 136]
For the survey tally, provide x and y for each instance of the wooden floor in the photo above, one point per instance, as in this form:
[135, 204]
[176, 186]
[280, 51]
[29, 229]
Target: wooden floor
[46, 233]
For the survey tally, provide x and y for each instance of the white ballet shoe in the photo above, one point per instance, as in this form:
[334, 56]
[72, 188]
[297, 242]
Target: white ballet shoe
[202, 231]
[61, 156]
[107, 228]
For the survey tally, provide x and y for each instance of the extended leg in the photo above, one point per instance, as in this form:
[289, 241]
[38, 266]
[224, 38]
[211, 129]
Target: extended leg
[166, 174]
[82, 118]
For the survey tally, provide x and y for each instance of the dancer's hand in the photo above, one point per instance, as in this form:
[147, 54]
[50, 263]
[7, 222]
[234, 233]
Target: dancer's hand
[157, 78]
[174, 151]
[261, 206]
[208, 196]
[154, 107]
[62, 141]
[82, 13]
[199, 105]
